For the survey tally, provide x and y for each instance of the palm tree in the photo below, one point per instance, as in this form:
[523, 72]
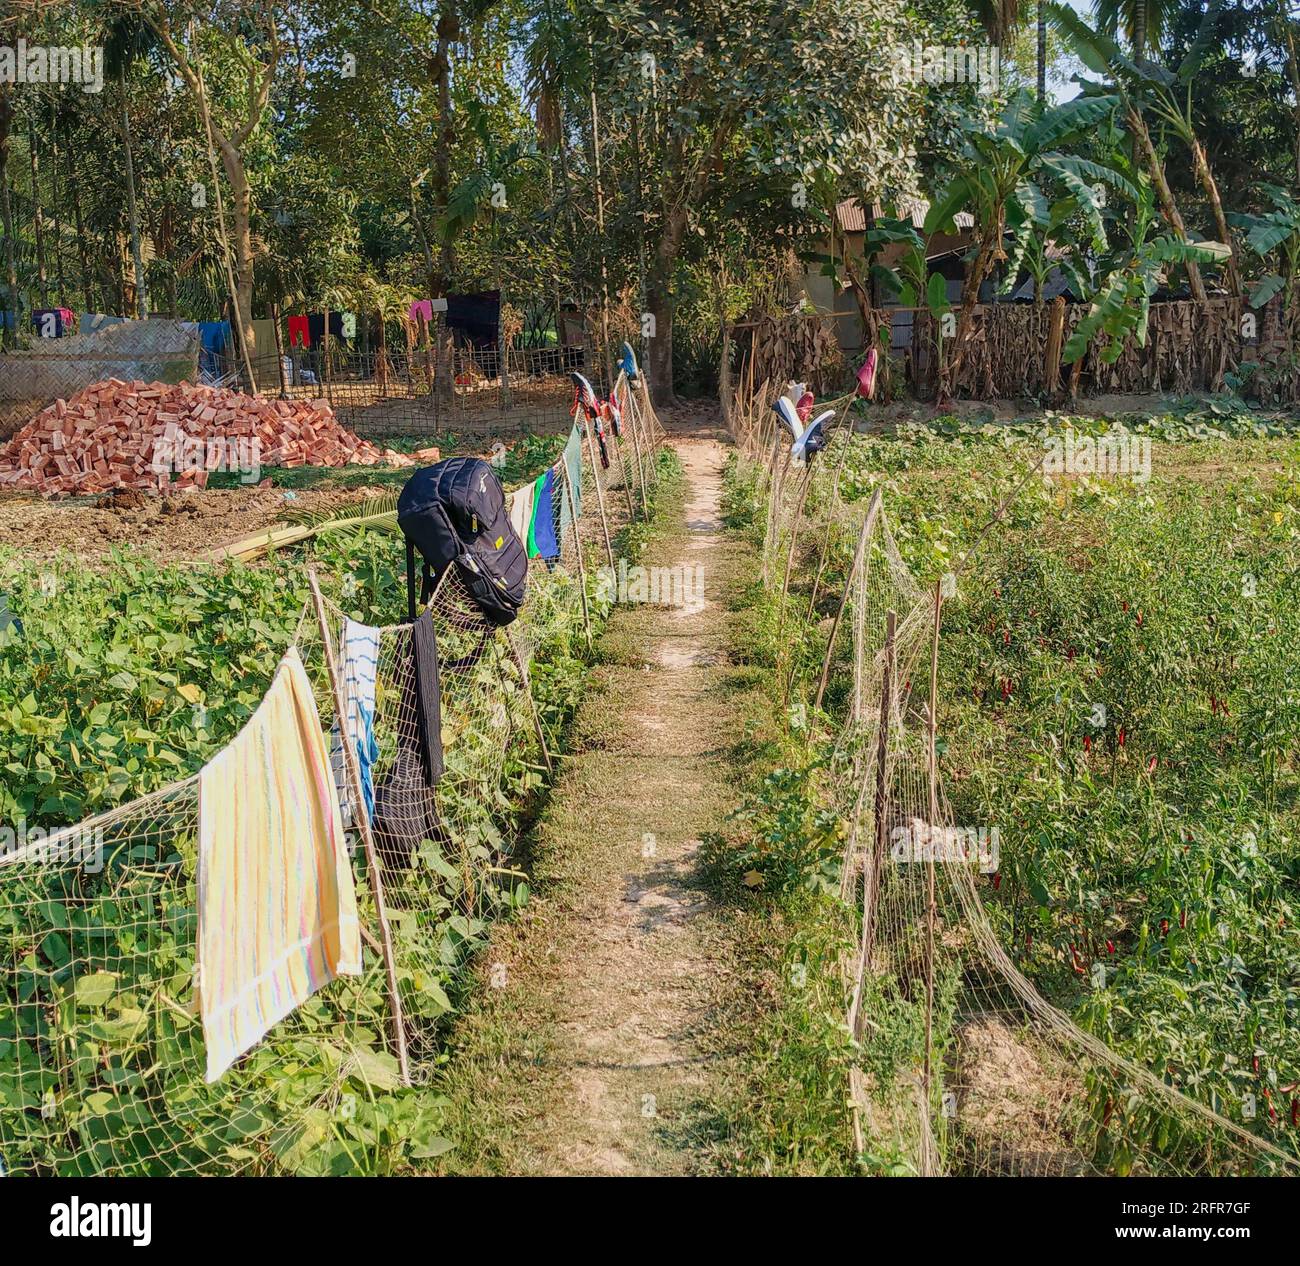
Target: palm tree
[1144, 23]
[1002, 18]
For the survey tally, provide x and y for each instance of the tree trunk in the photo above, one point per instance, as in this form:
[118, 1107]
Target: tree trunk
[38, 219]
[87, 285]
[1211, 187]
[659, 300]
[970, 292]
[1042, 52]
[10, 331]
[1142, 137]
[133, 216]
[241, 214]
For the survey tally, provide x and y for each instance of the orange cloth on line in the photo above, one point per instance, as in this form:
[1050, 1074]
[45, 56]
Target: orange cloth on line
[277, 903]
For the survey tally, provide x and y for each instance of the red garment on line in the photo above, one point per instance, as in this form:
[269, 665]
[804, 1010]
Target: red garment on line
[299, 332]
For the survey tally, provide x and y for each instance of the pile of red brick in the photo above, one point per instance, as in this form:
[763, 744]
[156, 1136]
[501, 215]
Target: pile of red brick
[151, 435]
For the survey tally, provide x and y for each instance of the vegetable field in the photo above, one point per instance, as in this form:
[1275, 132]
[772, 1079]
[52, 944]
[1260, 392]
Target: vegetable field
[1116, 696]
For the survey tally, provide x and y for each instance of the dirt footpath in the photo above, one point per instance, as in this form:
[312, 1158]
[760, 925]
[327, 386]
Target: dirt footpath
[596, 1054]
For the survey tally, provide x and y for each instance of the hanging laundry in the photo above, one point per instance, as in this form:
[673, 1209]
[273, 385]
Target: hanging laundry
[599, 425]
[428, 697]
[48, 322]
[609, 408]
[358, 667]
[349, 325]
[406, 811]
[299, 332]
[316, 326]
[521, 510]
[213, 337]
[541, 532]
[422, 307]
[572, 460]
[277, 908]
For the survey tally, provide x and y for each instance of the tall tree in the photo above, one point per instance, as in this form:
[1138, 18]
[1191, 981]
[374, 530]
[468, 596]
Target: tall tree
[732, 89]
[252, 43]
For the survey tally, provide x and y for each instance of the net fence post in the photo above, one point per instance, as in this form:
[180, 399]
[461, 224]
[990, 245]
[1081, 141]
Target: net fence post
[859, 555]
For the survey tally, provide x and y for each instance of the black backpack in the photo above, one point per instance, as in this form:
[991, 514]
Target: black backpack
[455, 513]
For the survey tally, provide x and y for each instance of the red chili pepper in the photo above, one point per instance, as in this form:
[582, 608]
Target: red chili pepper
[1120, 736]
[1254, 1064]
[1272, 1110]
[1164, 927]
[1087, 742]
[1151, 765]
[1295, 1110]
[997, 881]
[1182, 918]
[1110, 947]
[1125, 606]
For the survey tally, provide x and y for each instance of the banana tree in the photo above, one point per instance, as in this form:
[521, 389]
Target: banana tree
[1121, 305]
[1002, 169]
[1275, 238]
[1167, 94]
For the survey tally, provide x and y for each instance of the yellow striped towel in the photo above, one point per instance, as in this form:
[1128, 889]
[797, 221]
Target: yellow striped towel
[277, 905]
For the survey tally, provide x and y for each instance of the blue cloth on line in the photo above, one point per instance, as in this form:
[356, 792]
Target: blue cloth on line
[359, 669]
[544, 537]
[213, 337]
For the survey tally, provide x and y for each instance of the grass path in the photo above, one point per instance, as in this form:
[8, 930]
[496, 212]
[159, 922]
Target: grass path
[602, 1045]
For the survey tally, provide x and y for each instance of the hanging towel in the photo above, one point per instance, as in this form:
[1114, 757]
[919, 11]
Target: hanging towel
[422, 307]
[428, 697]
[572, 458]
[358, 666]
[521, 510]
[299, 332]
[541, 533]
[276, 902]
[349, 325]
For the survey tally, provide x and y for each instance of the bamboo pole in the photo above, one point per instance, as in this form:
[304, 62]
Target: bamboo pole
[873, 508]
[367, 839]
[630, 414]
[532, 703]
[582, 564]
[600, 492]
[872, 860]
[932, 760]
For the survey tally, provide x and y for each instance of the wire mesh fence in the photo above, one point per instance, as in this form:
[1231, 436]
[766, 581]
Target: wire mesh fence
[102, 1053]
[959, 1064]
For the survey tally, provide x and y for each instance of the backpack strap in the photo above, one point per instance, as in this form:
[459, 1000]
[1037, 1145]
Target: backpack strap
[410, 581]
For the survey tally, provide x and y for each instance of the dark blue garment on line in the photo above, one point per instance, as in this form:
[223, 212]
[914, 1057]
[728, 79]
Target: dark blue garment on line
[548, 546]
[213, 337]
